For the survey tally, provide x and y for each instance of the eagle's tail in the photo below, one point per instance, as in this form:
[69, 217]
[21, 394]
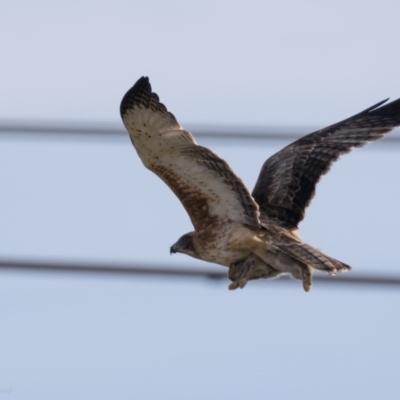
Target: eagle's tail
[299, 259]
[293, 257]
[314, 258]
[340, 266]
[287, 254]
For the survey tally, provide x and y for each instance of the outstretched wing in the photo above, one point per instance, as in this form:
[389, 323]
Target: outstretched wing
[204, 183]
[287, 180]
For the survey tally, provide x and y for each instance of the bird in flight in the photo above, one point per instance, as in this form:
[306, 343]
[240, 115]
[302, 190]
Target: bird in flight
[253, 234]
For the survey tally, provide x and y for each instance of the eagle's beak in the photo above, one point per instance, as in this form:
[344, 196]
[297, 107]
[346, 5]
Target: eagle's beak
[172, 249]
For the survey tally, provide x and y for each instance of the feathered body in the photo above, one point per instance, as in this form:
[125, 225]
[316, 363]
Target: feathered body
[255, 235]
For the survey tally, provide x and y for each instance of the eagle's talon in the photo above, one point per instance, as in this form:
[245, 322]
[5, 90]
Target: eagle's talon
[242, 283]
[233, 286]
[306, 276]
[307, 286]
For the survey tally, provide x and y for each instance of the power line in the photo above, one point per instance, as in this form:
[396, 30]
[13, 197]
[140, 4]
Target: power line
[54, 129]
[98, 130]
[158, 271]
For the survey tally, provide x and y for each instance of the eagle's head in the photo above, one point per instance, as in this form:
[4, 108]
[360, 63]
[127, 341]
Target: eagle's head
[185, 245]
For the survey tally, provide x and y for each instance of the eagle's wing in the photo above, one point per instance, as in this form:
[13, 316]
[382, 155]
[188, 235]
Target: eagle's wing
[287, 180]
[204, 183]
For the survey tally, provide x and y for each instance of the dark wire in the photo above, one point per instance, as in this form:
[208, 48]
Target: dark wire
[54, 130]
[159, 271]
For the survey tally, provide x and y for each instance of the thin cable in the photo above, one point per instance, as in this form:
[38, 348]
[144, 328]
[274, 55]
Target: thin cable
[50, 130]
[157, 271]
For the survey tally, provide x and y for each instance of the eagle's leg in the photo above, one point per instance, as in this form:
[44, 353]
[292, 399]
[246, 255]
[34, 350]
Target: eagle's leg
[304, 273]
[297, 269]
[240, 272]
[283, 263]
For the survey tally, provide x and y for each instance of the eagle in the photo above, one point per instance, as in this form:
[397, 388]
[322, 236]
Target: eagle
[254, 234]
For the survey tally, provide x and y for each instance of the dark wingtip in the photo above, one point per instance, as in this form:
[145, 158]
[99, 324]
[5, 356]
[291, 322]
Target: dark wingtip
[377, 105]
[136, 94]
[140, 94]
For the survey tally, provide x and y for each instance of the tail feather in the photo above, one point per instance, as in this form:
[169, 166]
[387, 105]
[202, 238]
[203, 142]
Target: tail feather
[340, 266]
[313, 257]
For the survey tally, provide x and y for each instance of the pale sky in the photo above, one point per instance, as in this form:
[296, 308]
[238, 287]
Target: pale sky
[227, 63]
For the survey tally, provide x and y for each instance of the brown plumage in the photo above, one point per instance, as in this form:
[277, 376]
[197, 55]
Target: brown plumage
[254, 235]
[288, 179]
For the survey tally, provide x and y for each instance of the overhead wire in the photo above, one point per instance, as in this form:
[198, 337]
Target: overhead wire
[51, 130]
[156, 270]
